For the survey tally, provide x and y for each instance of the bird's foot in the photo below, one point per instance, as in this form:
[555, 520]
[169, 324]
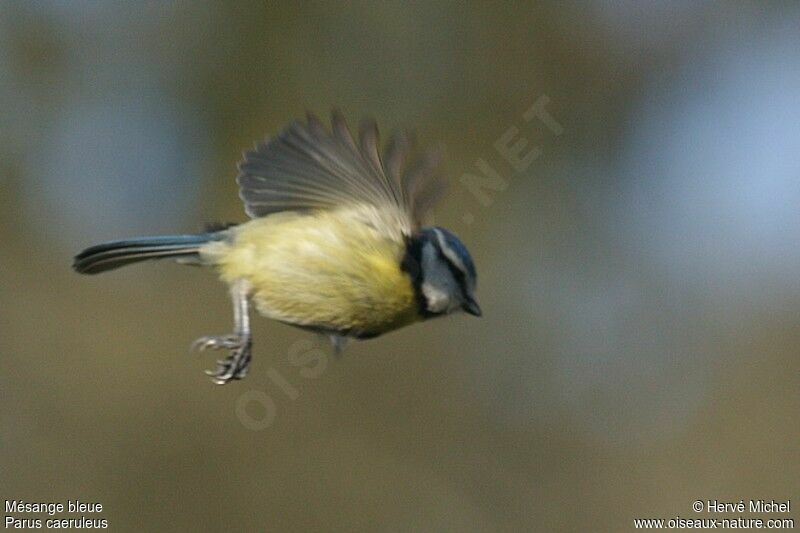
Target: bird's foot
[237, 363]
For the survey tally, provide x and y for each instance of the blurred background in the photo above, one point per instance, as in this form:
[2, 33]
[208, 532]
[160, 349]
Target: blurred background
[638, 275]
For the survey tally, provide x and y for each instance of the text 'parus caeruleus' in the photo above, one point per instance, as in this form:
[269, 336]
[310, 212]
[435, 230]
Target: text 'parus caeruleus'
[335, 244]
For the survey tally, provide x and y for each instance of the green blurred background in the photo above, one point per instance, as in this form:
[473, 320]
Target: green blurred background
[639, 279]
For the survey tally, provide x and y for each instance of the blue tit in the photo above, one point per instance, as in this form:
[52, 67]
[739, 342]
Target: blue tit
[335, 244]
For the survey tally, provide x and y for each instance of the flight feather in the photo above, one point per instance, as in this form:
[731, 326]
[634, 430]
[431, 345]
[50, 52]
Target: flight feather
[310, 167]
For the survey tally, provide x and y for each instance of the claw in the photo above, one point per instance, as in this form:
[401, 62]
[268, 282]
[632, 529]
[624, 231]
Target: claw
[227, 342]
[234, 366]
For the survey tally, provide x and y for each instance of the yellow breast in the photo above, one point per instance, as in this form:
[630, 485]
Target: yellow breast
[331, 270]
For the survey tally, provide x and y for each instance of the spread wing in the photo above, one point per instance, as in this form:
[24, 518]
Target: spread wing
[308, 167]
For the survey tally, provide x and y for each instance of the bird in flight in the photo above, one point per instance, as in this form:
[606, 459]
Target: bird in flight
[335, 244]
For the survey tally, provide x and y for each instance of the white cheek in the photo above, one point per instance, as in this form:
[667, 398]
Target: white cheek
[437, 300]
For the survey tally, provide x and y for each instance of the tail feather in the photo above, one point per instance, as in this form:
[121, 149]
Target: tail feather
[116, 254]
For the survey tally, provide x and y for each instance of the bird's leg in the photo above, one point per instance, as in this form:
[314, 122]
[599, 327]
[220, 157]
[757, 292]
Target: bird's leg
[338, 342]
[234, 366]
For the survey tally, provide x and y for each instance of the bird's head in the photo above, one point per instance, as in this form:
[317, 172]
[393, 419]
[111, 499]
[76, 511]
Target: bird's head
[443, 273]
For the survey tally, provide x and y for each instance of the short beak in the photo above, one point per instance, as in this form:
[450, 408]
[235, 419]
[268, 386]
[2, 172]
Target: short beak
[472, 307]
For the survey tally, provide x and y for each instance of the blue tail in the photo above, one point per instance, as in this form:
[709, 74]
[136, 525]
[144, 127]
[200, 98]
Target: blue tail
[115, 254]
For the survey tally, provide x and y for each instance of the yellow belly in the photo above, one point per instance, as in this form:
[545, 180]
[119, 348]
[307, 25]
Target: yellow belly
[328, 270]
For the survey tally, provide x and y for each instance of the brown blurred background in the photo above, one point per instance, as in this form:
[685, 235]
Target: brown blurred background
[639, 279]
